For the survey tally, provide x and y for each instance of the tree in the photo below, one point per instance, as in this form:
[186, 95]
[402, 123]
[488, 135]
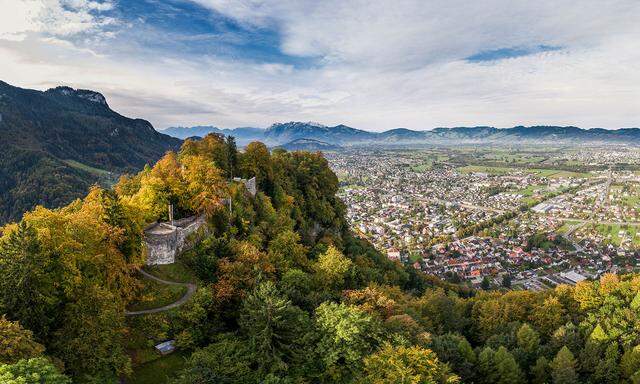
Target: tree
[609, 303]
[28, 290]
[31, 371]
[226, 361]
[548, 316]
[371, 299]
[332, 268]
[486, 285]
[506, 367]
[285, 251]
[300, 287]
[567, 335]
[487, 372]
[274, 327]
[91, 340]
[199, 320]
[441, 312]
[232, 154]
[456, 351]
[630, 365]
[528, 339]
[16, 343]
[205, 185]
[563, 367]
[405, 365]
[540, 371]
[346, 334]
[506, 281]
[607, 371]
[256, 162]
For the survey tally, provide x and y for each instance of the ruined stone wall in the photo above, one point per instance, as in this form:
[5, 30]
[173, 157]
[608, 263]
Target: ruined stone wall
[164, 242]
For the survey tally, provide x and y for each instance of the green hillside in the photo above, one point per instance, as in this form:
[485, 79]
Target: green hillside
[57, 143]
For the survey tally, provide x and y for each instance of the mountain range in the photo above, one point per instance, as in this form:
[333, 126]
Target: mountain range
[244, 135]
[57, 143]
[309, 145]
[280, 134]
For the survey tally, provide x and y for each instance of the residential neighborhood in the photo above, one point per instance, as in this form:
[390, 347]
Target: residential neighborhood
[456, 214]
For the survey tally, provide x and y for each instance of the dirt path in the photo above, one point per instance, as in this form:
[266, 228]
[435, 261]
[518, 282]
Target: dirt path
[191, 289]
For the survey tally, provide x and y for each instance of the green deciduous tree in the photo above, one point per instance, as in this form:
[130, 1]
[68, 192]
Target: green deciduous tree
[227, 361]
[16, 343]
[31, 371]
[607, 370]
[405, 365]
[487, 373]
[332, 268]
[630, 365]
[28, 290]
[285, 251]
[548, 316]
[456, 351]
[346, 335]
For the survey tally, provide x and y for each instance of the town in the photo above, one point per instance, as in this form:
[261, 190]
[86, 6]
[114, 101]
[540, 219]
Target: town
[497, 217]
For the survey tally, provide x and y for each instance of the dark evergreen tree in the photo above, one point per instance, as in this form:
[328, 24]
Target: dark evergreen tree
[563, 368]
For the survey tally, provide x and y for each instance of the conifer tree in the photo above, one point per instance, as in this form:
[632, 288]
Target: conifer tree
[528, 338]
[607, 371]
[563, 368]
[486, 369]
[506, 367]
[540, 371]
[273, 326]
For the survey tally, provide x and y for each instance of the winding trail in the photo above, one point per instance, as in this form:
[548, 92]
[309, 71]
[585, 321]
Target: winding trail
[191, 289]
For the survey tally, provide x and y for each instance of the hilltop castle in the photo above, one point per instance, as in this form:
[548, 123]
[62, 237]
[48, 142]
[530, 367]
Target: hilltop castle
[165, 241]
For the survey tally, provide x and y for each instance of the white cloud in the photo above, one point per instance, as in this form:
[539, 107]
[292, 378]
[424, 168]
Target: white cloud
[18, 18]
[414, 32]
[51, 17]
[381, 64]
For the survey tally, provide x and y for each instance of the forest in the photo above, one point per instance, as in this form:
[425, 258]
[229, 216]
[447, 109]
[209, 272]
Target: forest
[286, 292]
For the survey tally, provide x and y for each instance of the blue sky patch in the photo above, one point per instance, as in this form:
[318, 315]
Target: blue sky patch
[509, 53]
[183, 28]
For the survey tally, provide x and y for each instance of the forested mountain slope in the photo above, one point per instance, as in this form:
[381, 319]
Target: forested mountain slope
[286, 293]
[55, 144]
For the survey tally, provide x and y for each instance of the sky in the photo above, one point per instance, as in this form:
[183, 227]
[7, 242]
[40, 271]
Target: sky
[373, 64]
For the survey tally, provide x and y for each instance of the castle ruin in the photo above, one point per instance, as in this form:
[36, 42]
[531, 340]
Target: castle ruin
[165, 241]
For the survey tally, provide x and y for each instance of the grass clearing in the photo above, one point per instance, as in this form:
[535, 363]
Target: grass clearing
[86, 168]
[616, 233]
[159, 371]
[422, 167]
[155, 294]
[177, 272]
[549, 173]
[486, 169]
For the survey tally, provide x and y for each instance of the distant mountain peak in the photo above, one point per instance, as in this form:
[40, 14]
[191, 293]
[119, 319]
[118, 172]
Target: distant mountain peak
[92, 96]
[305, 144]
